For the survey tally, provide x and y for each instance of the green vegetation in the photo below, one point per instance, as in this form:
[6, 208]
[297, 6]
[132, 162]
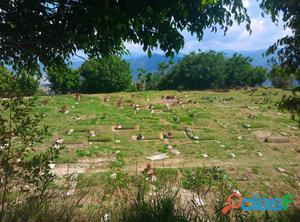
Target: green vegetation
[109, 74]
[206, 70]
[21, 83]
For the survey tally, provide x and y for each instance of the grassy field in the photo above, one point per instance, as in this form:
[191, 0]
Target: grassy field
[241, 131]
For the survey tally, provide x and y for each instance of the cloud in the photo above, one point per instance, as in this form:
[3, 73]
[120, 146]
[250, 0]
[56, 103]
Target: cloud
[264, 34]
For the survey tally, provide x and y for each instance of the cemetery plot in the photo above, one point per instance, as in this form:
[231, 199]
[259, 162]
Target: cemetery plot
[234, 128]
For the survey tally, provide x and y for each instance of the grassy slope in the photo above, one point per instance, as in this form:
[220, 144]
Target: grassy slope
[211, 120]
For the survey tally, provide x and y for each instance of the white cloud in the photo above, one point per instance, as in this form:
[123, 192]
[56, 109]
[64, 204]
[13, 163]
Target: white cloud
[264, 34]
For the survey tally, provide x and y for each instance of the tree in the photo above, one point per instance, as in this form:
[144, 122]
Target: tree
[206, 70]
[22, 83]
[197, 71]
[279, 77]
[51, 31]
[108, 74]
[239, 71]
[258, 76]
[288, 47]
[64, 79]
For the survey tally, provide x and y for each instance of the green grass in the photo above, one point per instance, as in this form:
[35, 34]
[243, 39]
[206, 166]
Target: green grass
[217, 119]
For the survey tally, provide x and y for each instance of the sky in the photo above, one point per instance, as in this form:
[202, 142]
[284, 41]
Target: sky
[264, 34]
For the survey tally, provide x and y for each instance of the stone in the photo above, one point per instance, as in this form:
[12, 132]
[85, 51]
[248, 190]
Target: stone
[204, 155]
[232, 155]
[158, 157]
[240, 138]
[70, 131]
[259, 154]
[281, 170]
[195, 137]
[222, 146]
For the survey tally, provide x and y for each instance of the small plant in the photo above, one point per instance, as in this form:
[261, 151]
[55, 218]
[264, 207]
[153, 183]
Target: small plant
[25, 172]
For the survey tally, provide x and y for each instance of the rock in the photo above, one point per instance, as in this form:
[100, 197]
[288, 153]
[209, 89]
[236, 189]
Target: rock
[195, 137]
[70, 131]
[232, 155]
[281, 170]
[240, 138]
[217, 141]
[222, 146]
[158, 157]
[204, 155]
[284, 133]
[259, 154]
[118, 141]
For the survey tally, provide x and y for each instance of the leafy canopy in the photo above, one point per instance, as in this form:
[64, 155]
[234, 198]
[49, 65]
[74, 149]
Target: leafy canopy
[108, 74]
[50, 31]
[206, 70]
